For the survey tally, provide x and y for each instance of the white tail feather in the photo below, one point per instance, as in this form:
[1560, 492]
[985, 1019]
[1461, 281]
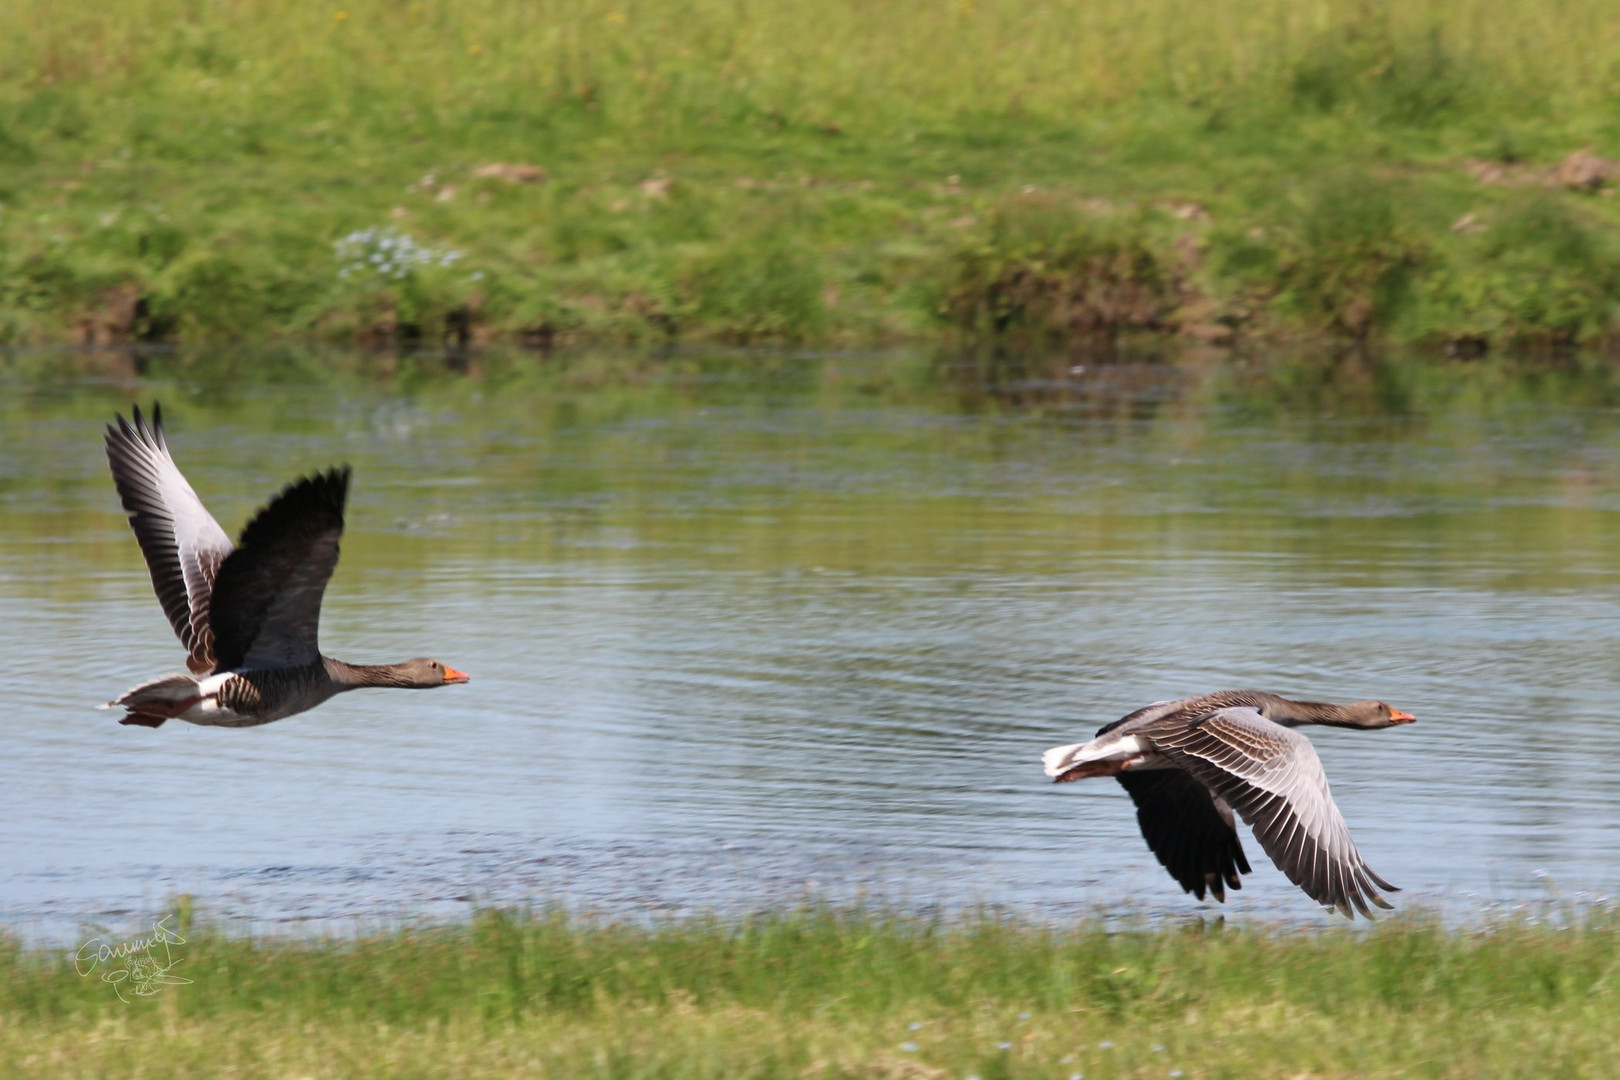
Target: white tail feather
[1060, 759]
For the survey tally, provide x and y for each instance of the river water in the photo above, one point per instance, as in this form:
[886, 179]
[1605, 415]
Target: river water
[749, 631]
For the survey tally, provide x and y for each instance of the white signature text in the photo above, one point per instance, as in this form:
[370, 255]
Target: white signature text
[141, 965]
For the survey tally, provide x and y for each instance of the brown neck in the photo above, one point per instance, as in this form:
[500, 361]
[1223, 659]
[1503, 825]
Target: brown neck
[1300, 713]
[354, 676]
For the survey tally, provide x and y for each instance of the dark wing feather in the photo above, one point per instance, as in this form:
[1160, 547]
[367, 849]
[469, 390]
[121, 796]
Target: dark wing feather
[267, 599]
[1188, 829]
[1272, 777]
[184, 546]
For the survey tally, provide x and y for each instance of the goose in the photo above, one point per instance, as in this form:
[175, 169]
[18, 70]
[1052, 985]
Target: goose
[1188, 764]
[247, 615]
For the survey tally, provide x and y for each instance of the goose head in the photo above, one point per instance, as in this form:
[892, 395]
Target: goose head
[1372, 714]
[424, 674]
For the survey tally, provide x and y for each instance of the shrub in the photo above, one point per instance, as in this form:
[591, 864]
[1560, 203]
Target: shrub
[760, 288]
[1047, 269]
[1348, 260]
[1542, 274]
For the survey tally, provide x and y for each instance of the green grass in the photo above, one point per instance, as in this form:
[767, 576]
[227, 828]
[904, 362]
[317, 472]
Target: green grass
[769, 170]
[838, 994]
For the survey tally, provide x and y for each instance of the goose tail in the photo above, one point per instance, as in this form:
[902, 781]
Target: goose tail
[1105, 755]
[157, 700]
[163, 690]
[1060, 759]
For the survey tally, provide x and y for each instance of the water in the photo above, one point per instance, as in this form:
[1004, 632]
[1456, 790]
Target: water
[750, 632]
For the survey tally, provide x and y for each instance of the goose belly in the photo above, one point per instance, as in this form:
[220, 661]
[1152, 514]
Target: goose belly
[208, 710]
[256, 696]
[220, 701]
[210, 713]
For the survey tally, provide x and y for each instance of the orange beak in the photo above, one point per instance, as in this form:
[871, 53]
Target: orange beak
[1398, 717]
[452, 675]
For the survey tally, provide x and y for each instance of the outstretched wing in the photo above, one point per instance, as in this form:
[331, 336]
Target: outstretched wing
[184, 546]
[267, 598]
[1272, 777]
[1189, 830]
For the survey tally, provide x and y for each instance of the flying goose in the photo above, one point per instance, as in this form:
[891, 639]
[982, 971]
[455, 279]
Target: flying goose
[248, 615]
[1189, 763]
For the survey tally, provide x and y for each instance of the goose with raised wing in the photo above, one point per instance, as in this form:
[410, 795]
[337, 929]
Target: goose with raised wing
[1189, 764]
[247, 615]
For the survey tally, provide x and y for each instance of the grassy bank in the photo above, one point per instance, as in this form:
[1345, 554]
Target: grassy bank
[838, 995]
[765, 171]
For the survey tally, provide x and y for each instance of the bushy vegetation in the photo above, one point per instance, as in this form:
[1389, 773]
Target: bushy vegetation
[837, 994]
[1048, 268]
[763, 170]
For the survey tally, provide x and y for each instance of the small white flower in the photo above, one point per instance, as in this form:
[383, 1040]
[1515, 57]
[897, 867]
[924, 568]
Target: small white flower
[909, 1047]
[390, 253]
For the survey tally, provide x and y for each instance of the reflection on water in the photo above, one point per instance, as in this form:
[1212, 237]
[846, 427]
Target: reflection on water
[743, 631]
